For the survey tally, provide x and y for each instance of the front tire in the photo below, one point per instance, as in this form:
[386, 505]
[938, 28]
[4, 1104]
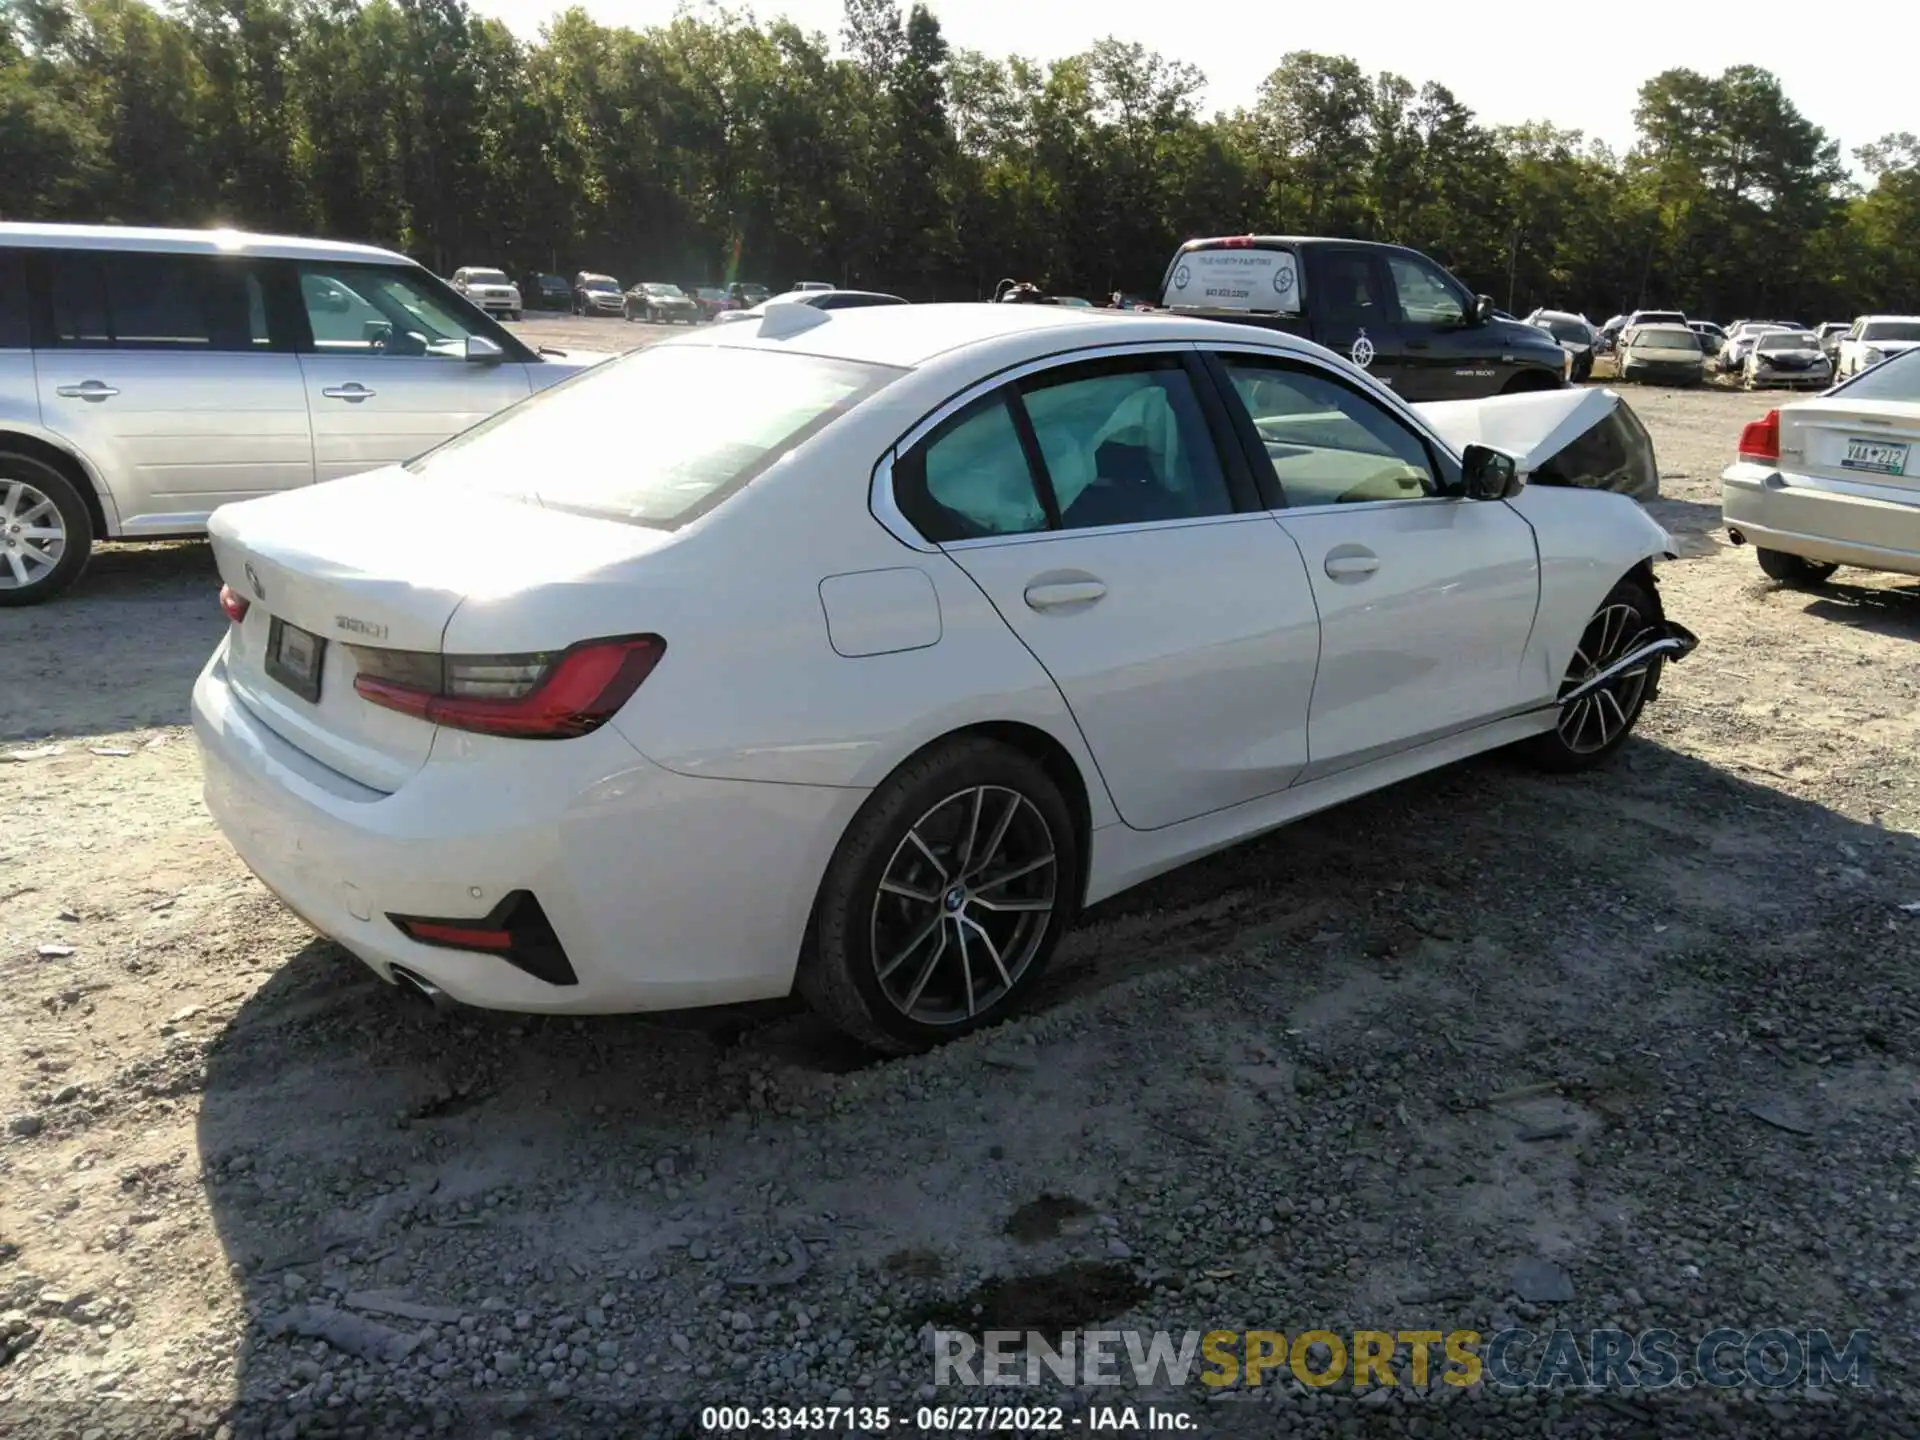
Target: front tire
[46, 534]
[1793, 569]
[1592, 728]
[945, 900]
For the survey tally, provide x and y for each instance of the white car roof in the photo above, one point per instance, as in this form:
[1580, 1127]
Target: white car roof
[908, 336]
[189, 242]
[1894, 319]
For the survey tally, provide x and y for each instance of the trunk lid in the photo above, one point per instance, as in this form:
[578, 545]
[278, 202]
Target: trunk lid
[1865, 443]
[382, 559]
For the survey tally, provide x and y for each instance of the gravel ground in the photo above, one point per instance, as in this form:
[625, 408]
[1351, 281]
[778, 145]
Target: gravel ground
[1642, 1039]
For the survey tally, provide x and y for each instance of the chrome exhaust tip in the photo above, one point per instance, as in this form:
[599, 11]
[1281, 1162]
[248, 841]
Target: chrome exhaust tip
[421, 988]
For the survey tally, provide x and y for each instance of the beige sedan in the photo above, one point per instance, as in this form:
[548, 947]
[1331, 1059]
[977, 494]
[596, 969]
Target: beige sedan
[1833, 480]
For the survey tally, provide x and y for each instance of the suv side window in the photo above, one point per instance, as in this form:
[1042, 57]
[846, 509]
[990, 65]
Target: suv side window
[141, 300]
[1328, 444]
[1125, 442]
[970, 478]
[374, 310]
[15, 333]
[1426, 297]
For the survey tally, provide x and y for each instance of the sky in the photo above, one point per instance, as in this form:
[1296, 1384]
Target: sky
[1578, 66]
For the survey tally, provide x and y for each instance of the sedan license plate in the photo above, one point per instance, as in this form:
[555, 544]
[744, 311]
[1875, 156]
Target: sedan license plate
[293, 658]
[1878, 456]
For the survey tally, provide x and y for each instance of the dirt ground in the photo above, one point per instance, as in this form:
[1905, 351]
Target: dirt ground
[1652, 1029]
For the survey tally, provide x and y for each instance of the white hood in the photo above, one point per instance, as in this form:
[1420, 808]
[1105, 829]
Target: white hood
[1531, 427]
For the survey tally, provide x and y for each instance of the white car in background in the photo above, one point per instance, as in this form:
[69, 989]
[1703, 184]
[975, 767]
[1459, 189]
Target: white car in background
[1874, 338]
[1833, 480]
[491, 290]
[164, 373]
[1790, 358]
[910, 631]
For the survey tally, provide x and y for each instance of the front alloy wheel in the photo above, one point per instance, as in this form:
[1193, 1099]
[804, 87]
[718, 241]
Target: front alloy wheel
[1588, 730]
[945, 899]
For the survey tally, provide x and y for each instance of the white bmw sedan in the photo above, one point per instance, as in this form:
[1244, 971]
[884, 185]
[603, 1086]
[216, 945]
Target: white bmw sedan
[908, 632]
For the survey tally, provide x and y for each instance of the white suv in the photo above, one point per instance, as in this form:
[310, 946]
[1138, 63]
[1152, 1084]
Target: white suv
[490, 289]
[1871, 339]
[148, 376]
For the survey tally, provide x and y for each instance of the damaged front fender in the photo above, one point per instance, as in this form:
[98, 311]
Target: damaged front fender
[1581, 438]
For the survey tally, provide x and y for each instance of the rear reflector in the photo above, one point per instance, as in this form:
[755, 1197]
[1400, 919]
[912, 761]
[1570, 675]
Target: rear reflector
[234, 603]
[1761, 439]
[547, 695]
[516, 931]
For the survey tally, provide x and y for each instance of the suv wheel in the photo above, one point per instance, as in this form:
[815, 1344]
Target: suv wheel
[45, 534]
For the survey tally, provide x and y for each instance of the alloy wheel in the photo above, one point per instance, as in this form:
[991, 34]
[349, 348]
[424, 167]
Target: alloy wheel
[963, 905]
[33, 535]
[1596, 719]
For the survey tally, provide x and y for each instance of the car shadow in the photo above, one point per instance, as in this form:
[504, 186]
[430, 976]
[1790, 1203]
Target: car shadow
[352, 1141]
[117, 651]
[1892, 610]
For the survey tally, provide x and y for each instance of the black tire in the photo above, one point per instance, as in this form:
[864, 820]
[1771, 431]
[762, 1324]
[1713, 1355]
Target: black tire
[1585, 736]
[626, 313]
[1793, 569]
[931, 800]
[41, 582]
[514, 315]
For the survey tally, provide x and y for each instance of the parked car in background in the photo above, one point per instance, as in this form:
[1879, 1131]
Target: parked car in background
[1608, 340]
[490, 289]
[546, 292]
[1833, 480]
[1872, 338]
[816, 299]
[659, 303]
[1740, 341]
[1792, 358]
[1712, 337]
[812, 285]
[1390, 310]
[160, 374]
[1667, 354]
[957, 683]
[745, 294]
[1831, 333]
[1654, 317]
[1575, 334]
[597, 294]
[712, 299]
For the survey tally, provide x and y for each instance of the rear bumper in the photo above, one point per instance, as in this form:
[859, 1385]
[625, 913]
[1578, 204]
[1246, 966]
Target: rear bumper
[1777, 510]
[664, 891]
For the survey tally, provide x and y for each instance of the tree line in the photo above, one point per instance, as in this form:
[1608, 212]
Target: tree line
[721, 147]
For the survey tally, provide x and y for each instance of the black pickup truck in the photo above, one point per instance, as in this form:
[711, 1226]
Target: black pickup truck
[1390, 310]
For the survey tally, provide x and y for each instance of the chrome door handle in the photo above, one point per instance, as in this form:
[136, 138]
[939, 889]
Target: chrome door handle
[95, 390]
[1064, 592]
[354, 391]
[1351, 567]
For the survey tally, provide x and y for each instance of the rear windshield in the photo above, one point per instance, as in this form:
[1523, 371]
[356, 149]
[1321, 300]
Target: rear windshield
[1895, 378]
[485, 277]
[1788, 340]
[661, 289]
[1890, 330]
[1667, 340]
[658, 436]
[1661, 317]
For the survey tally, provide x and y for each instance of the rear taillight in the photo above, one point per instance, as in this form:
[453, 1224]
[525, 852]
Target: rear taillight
[234, 603]
[549, 695]
[1761, 439]
[1237, 242]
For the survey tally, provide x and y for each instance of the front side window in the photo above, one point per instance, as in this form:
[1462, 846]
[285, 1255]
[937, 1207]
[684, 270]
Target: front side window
[369, 310]
[153, 301]
[970, 479]
[1125, 442]
[713, 418]
[1329, 445]
[1426, 298]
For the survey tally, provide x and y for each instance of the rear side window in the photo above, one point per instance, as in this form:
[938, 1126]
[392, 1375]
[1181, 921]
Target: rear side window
[657, 437]
[133, 300]
[13, 302]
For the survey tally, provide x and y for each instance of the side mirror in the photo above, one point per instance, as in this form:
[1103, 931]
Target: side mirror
[482, 351]
[1488, 474]
[1483, 308]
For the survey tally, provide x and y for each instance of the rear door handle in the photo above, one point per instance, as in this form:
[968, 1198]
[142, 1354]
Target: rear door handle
[353, 391]
[95, 390]
[1352, 564]
[1052, 595]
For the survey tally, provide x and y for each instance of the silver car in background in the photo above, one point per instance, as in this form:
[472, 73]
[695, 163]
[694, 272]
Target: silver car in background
[150, 376]
[1792, 358]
